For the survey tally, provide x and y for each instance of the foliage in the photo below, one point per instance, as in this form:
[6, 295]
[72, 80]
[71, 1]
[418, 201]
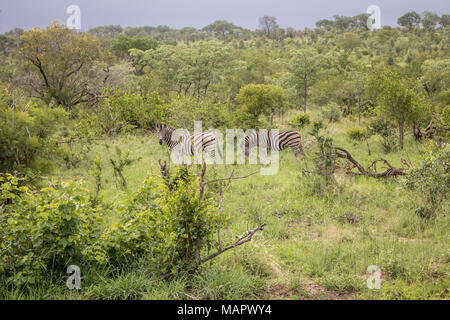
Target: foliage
[42, 232]
[300, 121]
[167, 220]
[360, 134]
[184, 69]
[26, 134]
[259, 99]
[63, 66]
[387, 133]
[123, 160]
[124, 110]
[409, 19]
[121, 44]
[303, 70]
[331, 113]
[429, 182]
[397, 100]
[183, 111]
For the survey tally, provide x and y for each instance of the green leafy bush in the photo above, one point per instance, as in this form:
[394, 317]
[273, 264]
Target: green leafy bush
[122, 111]
[43, 231]
[359, 134]
[387, 133]
[167, 220]
[332, 113]
[429, 183]
[26, 134]
[300, 121]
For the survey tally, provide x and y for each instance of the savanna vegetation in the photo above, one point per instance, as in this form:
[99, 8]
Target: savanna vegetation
[83, 180]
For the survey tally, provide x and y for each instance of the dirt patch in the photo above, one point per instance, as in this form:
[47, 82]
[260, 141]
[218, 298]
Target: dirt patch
[277, 291]
[318, 292]
[331, 232]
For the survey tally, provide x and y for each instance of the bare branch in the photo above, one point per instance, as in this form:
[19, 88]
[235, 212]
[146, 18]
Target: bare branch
[230, 178]
[371, 171]
[245, 238]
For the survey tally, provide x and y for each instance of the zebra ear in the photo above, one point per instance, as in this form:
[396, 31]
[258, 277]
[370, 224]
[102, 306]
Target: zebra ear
[157, 126]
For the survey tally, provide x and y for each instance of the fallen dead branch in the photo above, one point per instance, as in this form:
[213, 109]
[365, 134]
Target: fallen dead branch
[371, 171]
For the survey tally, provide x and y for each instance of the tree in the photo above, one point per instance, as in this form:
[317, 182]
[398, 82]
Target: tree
[303, 69]
[106, 31]
[259, 99]
[410, 20]
[221, 28]
[444, 21]
[429, 20]
[185, 69]
[436, 77]
[63, 66]
[396, 99]
[325, 23]
[350, 41]
[268, 25]
[121, 45]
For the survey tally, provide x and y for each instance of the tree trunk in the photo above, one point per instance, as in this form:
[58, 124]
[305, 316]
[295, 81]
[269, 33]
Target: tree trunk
[359, 112]
[401, 133]
[306, 95]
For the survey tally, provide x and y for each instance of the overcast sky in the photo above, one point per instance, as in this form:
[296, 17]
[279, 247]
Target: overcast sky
[199, 13]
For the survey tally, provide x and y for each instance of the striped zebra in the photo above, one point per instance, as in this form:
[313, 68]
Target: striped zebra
[188, 144]
[273, 140]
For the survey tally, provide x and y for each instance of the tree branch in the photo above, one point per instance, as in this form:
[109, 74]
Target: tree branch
[243, 239]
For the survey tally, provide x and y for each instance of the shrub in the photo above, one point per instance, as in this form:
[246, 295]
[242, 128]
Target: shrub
[165, 219]
[122, 111]
[332, 113]
[446, 116]
[43, 231]
[300, 121]
[387, 133]
[26, 134]
[429, 183]
[359, 134]
[185, 110]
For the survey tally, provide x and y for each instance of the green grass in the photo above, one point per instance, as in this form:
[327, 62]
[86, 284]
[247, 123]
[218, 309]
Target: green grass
[316, 244]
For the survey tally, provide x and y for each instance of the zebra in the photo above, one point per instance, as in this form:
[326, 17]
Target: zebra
[273, 140]
[188, 144]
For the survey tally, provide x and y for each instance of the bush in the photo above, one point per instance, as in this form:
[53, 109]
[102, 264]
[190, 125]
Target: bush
[122, 111]
[300, 121]
[429, 183]
[166, 220]
[41, 232]
[332, 113]
[357, 133]
[387, 133]
[26, 134]
[185, 110]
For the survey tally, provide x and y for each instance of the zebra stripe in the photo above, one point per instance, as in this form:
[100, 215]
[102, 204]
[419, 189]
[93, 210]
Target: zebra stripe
[273, 140]
[188, 144]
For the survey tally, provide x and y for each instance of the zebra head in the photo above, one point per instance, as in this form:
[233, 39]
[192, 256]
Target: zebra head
[164, 133]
